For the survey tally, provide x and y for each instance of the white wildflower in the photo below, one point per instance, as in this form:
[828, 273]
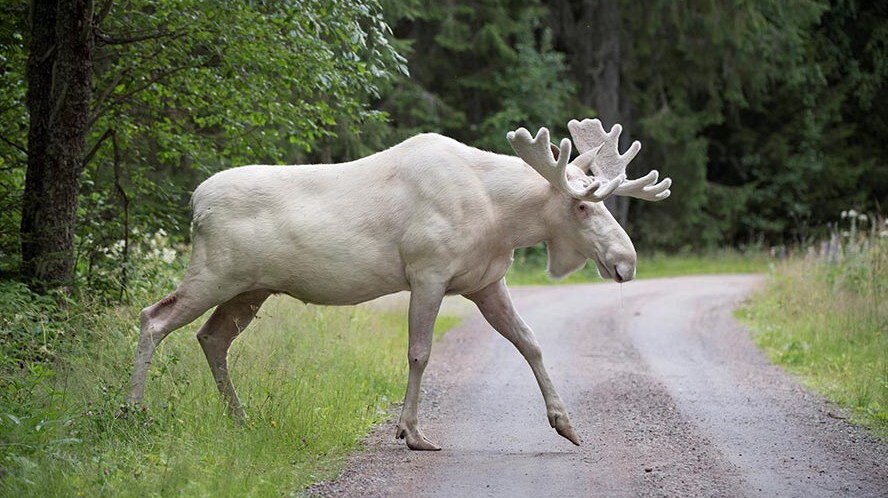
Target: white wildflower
[852, 213]
[883, 233]
[844, 214]
[168, 255]
[862, 217]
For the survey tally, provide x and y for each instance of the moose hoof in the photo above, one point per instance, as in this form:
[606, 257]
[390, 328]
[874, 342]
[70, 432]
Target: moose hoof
[562, 425]
[238, 415]
[235, 411]
[415, 440]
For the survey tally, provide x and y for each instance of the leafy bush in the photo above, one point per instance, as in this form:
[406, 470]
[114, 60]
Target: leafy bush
[39, 334]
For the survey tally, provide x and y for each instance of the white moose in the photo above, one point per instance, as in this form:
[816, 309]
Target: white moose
[430, 215]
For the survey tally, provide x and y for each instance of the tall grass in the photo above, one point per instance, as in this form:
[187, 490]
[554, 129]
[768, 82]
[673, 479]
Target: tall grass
[313, 380]
[531, 270]
[824, 316]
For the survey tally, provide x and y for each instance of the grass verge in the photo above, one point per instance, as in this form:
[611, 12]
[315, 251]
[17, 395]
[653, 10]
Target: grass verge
[314, 380]
[828, 324]
[532, 270]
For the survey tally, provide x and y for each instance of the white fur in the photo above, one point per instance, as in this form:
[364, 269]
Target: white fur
[347, 233]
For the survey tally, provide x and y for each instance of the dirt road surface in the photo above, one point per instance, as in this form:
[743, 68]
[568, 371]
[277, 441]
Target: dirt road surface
[666, 389]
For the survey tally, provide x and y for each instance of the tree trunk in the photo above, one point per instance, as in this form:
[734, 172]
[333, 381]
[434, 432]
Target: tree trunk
[591, 33]
[59, 75]
[621, 209]
[608, 97]
[608, 27]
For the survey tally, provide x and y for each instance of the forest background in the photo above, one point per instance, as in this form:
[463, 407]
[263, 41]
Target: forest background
[768, 114]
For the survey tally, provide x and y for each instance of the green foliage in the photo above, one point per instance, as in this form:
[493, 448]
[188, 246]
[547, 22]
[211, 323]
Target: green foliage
[788, 150]
[823, 317]
[477, 70]
[27, 323]
[532, 88]
[13, 128]
[698, 97]
[190, 87]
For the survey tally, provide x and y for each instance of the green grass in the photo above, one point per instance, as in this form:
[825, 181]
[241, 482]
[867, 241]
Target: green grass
[828, 324]
[532, 271]
[314, 380]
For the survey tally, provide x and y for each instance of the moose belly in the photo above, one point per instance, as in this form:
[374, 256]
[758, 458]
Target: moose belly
[353, 284]
[341, 275]
[338, 291]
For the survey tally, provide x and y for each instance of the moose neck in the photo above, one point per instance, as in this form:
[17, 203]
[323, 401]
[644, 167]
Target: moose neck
[525, 203]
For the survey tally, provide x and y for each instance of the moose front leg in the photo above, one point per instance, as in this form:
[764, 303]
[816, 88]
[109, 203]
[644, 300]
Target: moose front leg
[425, 300]
[496, 306]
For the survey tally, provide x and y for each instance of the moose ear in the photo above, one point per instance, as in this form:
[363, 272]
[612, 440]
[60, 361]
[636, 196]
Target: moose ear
[555, 150]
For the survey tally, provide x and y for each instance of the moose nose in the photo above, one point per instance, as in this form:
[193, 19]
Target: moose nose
[624, 272]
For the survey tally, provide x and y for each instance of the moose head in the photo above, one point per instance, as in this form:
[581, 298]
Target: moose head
[587, 230]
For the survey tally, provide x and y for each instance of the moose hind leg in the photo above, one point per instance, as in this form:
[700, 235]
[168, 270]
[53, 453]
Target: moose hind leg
[217, 335]
[157, 321]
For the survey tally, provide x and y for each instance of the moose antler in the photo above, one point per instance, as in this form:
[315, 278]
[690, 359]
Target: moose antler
[600, 154]
[538, 153]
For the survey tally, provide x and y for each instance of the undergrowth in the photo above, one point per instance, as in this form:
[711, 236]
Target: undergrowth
[313, 380]
[824, 317]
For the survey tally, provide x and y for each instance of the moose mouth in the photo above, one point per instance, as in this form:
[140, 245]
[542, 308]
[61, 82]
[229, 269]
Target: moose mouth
[619, 278]
[604, 271]
[610, 272]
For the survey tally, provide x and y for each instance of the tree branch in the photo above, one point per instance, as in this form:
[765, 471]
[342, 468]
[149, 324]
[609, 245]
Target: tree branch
[155, 79]
[124, 200]
[104, 96]
[95, 148]
[107, 54]
[118, 40]
[122, 98]
[103, 12]
[17, 146]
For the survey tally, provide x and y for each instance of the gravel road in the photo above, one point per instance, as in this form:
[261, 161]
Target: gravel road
[666, 389]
